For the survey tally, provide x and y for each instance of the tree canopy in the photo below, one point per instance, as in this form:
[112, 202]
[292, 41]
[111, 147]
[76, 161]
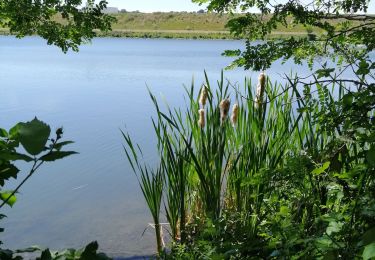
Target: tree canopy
[62, 23]
[338, 26]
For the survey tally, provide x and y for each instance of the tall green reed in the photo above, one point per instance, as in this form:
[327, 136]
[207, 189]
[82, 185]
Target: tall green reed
[151, 182]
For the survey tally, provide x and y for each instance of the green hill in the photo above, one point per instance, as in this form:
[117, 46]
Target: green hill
[181, 25]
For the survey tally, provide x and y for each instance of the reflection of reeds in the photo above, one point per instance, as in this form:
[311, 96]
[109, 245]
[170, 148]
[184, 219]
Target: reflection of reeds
[223, 167]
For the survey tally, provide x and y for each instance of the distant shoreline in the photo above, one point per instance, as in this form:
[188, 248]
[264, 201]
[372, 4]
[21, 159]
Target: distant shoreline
[175, 34]
[180, 25]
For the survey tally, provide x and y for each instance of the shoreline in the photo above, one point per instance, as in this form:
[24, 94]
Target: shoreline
[176, 34]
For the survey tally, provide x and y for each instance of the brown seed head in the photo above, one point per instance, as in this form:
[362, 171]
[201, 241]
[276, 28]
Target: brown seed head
[260, 90]
[203, 96]
[262, 79]
[201, 121]
[234, 116]
[224, 109]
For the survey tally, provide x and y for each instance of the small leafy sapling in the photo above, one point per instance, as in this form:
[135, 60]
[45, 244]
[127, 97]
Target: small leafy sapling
[38, 147]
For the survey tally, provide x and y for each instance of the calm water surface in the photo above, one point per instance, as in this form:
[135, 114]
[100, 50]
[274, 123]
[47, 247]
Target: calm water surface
[94, 93]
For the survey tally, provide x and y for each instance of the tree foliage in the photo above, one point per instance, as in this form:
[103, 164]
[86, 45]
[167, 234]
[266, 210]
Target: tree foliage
[340, 27]
[293, 177]
[62, 23]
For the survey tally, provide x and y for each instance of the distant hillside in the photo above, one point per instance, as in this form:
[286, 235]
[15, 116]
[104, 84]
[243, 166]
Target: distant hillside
[171, 21]
[182, 25]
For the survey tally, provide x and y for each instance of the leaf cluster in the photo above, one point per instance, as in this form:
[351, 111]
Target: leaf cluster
[38, 147]
[62, 23]
[335, 29]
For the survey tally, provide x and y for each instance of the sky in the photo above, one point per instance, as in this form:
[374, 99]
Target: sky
[149, 6]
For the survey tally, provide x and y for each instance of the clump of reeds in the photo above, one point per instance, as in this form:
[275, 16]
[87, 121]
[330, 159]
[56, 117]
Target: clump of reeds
[203, 169]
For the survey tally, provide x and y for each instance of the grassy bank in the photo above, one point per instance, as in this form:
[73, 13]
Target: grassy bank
[182, 26]
[177, 25]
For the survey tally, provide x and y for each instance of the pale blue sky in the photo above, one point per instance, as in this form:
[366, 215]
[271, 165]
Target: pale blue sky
[172, 5]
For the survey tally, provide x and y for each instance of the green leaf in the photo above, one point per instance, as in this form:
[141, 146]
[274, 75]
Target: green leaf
[7, 171]
[321, 169]
[363, 68]
[369, 237]
[8, 194]
[6, 254]
[13, 132]
[13, 156]
[284, 211]
[56, 155]
[46, 255]
[58, 146]
[334, 227]
[369, 251]
[89, 252]
[324, 72]
[330, 255]
[3, 133]
[34, 136]
[348, 99]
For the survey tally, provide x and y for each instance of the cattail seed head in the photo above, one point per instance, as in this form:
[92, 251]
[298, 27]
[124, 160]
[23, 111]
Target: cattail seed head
[262, 80]
[203, 96]
[260, 90]
[234, 116]
[201, 121]
[224, 109]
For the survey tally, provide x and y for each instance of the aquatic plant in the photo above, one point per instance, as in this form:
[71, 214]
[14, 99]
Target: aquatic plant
[270, 181]
[151, 182]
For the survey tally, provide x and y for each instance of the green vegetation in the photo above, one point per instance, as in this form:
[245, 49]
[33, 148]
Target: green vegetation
[335, 31]
[171, 21]
[184, 25]
[193, 26]
[268, 181]
[63, 24]
[286, 172]
[40, 148]
[291, 175]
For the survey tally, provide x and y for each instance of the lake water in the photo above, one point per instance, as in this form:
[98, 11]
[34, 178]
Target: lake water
[94, 94]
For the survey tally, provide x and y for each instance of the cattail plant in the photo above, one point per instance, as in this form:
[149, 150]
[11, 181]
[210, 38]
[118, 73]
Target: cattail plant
[204, 171]
[201, 121]
[234, 117]
[260, 90]
[203, 96]
[224, 109]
